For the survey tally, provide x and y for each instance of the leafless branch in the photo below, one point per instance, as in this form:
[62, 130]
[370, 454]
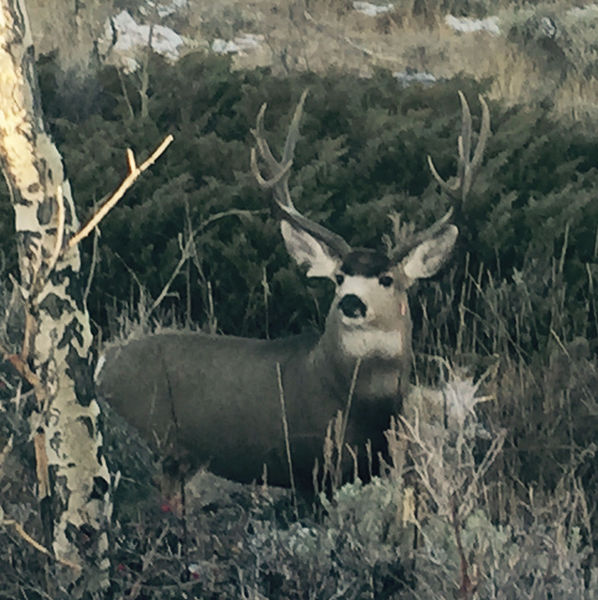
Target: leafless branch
[21, 367]
[19, 529]
[134, 173]
[186, 254]
[146, 562]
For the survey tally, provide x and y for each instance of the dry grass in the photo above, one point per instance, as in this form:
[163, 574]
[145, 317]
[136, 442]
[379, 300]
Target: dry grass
[577, 99]
[526, 61]
[321, 34]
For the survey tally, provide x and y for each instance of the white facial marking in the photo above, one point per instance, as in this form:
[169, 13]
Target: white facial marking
[357, 284]
[378, 333]
[364, 288]
[360, 343]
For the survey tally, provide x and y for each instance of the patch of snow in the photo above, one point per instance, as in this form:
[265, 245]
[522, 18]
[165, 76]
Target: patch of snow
[469, 25]
[221, 46]
[123, 38]
[409, 76]
[548, 27]
[244, 42]
[372, 10]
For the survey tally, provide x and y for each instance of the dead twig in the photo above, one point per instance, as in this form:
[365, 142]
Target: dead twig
[134, 172]
[19, 529]
[185, 256]
[18, 362]
[146, 562]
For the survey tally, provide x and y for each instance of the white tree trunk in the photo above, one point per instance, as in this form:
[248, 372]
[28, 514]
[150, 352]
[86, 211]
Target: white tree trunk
[73, 479]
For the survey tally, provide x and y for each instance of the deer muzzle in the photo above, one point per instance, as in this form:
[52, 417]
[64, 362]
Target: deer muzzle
[352, 307]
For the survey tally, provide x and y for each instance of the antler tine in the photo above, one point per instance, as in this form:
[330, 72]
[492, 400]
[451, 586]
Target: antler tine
[484, 135]
[293, 134]
[467, 165]
[278, 172]
[402, 247]
[262, 144]
[273, 181]
[464, 140]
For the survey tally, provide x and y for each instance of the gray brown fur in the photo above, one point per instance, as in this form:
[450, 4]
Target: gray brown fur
[216, 400]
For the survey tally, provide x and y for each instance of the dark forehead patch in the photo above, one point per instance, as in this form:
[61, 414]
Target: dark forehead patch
[368, 263]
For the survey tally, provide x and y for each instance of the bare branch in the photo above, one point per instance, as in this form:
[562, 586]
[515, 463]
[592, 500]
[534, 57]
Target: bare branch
[239, 212]
[186, 254]
[21, 531]
[41, 464]
[147, 560]
[134, 173]
[21, 366]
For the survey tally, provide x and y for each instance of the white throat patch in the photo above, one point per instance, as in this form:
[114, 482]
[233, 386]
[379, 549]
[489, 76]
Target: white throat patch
[359, 343]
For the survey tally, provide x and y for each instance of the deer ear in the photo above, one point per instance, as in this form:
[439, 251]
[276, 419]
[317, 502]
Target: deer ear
[310, 251]
[426, 258]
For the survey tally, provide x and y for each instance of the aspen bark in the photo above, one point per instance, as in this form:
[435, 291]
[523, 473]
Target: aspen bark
[73, 479]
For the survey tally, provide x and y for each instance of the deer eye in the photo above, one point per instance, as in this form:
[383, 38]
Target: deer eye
[385, 280]
[339, 279]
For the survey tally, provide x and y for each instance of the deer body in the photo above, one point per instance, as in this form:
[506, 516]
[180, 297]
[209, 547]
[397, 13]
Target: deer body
[229, 402]
[216, 400]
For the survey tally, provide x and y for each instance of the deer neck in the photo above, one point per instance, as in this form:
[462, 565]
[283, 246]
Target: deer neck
[382, 360]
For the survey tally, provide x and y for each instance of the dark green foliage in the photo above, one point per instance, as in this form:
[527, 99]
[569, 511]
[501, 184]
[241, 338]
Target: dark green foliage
[362, 154]
[522, 278]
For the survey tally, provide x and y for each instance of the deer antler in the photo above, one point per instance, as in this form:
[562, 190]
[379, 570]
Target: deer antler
[468, 165]
[466, 172]
[277, 178]
[278, 171]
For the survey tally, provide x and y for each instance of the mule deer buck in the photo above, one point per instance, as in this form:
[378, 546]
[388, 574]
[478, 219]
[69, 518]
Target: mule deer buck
[237, 404]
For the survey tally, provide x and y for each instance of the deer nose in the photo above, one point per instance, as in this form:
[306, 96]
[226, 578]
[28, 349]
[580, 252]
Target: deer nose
[352, 306]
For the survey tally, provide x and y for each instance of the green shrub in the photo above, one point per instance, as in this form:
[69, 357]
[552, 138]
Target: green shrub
[362, 154]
